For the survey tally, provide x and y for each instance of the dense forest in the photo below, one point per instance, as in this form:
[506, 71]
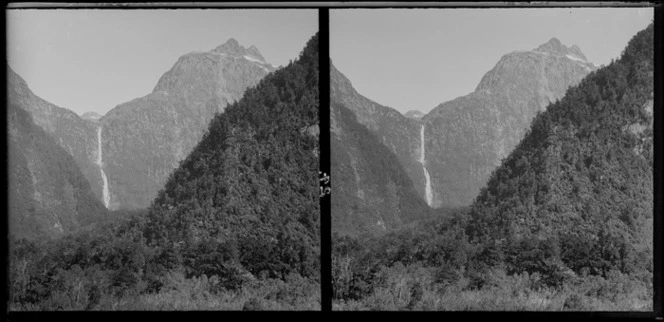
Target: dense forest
[564, 223]
[235, 227]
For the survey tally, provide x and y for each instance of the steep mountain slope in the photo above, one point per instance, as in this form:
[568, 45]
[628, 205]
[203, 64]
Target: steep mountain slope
[144, 139]
[466, 138]
[127, 154]
[400, 134]
[48, 194]
[253, 178]
[584, 171]
[71, 132]
[372, 193]
[450, 152]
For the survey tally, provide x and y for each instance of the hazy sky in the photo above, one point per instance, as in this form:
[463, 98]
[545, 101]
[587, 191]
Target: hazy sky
[93, 60]
[415, 59]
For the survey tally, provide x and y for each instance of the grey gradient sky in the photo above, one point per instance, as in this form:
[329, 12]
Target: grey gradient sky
[93, 60]
[415, 59]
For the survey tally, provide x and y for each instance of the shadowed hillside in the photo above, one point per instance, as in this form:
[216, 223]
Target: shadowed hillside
[373, 194]
[48, 194]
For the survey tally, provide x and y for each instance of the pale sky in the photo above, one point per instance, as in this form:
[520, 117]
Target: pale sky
[93, 60]
[415, 59]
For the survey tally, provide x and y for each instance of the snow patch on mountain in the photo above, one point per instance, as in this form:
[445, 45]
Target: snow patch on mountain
[249, 58]
[575, 58]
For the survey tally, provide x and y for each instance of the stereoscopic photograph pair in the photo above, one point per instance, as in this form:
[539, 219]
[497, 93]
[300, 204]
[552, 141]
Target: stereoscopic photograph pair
[341, 158]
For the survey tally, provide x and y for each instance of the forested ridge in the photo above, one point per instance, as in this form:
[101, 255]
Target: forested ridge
[586, 164]
[564, 223]
[581, 179]
[254, 175]
[235, 227]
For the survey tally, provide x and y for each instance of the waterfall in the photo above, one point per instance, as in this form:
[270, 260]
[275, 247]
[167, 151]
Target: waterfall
[427, 188]
[105, 191]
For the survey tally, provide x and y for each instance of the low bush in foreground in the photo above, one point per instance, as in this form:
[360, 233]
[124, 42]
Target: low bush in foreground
[411, 288]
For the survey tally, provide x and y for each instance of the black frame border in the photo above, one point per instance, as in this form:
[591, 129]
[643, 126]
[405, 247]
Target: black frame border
[324, 73]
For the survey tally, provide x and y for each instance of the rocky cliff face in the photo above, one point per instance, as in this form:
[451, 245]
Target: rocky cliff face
[143, 140]
[48, 194]
[399, 133]
[71, 132]
[467, 137]
[372, 192]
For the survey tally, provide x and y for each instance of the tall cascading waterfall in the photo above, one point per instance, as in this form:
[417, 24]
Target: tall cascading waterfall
[427, 188]
[106, 195]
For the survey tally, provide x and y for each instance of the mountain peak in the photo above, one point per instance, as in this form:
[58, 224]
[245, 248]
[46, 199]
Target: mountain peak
[253, 51]
[231, 43]
[576, 51]
[233, 47]
[555, 42]
[556, 47]
[189, 67]
[552, 46]
[502, 76]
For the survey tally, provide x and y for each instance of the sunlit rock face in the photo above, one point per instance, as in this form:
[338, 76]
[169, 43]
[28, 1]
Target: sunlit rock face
[466, 138]
[469, 136]
[145, 139]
